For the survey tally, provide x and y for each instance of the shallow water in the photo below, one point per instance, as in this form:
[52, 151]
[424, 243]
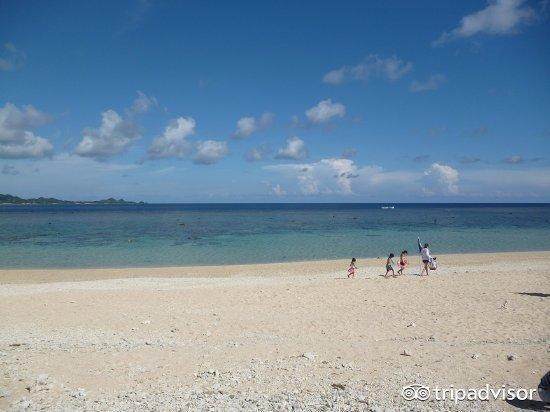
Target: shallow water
[200, 234]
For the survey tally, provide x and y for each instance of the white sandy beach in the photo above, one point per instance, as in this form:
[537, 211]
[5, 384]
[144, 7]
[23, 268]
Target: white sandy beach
[272, 336]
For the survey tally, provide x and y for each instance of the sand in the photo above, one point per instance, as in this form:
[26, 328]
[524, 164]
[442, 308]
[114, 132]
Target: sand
[273, 336]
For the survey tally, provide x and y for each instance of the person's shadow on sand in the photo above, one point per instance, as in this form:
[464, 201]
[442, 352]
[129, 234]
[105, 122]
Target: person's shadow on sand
[535, 294]
[528, 405]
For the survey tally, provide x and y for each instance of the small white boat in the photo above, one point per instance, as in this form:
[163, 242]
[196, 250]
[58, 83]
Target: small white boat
[388, 207]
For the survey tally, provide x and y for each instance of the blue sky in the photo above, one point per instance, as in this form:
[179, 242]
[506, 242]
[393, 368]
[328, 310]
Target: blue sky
[276, 101]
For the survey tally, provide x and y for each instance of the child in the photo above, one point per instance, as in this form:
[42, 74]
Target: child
[352, 268]
[389, 265]
[403, 262]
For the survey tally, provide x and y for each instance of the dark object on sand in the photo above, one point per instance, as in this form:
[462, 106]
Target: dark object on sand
[544, 388]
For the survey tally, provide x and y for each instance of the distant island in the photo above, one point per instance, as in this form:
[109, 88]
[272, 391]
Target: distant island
[15, 200]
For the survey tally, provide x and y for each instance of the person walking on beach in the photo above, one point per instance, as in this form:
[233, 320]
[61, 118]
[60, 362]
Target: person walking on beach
[352, 268]
[426, 258]
[389, 265]
[403, 262]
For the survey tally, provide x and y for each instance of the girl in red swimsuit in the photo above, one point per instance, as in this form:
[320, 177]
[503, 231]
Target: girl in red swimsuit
[352, 268]
[403, 262]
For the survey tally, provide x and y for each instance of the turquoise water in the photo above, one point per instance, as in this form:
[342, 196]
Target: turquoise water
[166, 235]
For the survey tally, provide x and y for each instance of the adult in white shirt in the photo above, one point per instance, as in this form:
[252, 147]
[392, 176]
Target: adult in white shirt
[426, 258]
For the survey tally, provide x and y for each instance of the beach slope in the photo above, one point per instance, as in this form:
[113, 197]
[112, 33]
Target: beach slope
[273, 336]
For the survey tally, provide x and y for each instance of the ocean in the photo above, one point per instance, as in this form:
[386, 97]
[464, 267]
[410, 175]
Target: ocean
[64, 236]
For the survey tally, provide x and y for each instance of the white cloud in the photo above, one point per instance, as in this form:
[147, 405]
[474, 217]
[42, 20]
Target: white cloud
[17, 139]
[333, 178]
[325, 110]
[143, 103]
[173, 142]
[210, 152]
[305, 174]
[389, 68]
[113, 136]
[295, 149]
[248, 125]
[337, 76]
[345, 170]
[432, 83]
[31, 146]
[11, 58]
[337, 176]
[441, 178]
[245, 127]
[327, 176]
[498, 18]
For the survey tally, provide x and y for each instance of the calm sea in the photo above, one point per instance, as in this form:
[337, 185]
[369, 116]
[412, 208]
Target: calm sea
[201, 234]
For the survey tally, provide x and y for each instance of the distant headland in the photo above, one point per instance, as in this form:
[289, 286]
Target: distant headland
[15, 200]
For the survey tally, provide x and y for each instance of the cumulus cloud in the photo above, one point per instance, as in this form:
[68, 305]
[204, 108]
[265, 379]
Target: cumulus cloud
[295, 149]
[389, 68]
[17, 139]
[432, 83]
[210, 152]
[327, 176]
[116, 132]
[441, 178]
[343, 177]
[248, 125]
[514, 160]
[11, 58]
[143, 103]
[500, 17]
[112, 137]
[304, 173]
[345, 170]
[173, 142]
[333, 177]
[324, 111]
